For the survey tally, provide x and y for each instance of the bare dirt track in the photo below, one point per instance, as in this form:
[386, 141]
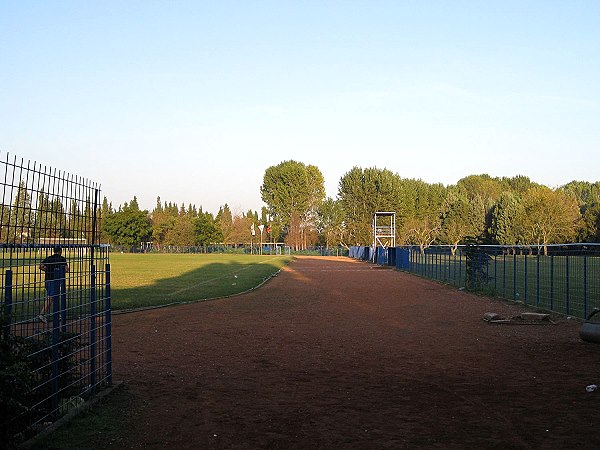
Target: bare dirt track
[335, 353]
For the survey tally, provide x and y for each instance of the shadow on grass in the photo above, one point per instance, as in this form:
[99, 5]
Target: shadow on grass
[210, 281]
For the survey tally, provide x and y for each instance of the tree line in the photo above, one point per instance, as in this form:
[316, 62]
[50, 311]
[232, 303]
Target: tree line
[508, 210]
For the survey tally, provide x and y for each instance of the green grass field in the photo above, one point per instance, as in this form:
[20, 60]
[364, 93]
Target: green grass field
[145, 280]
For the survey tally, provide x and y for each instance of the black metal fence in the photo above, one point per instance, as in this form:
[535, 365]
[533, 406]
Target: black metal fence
[561, 278]
[245, 249]
[56, 323]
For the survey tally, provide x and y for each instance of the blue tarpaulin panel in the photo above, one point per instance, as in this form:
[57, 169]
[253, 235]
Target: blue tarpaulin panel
[402, 258]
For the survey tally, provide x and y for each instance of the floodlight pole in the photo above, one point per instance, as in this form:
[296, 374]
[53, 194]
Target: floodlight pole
[261, 227]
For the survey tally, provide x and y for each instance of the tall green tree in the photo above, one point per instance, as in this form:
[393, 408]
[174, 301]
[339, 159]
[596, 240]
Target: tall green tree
[508, 217]
[225, 221]
[20, 217]
[484, 186]
[461, 218]
[330, 223]
[421, 224]
[105, 210]
[550, 216]
[129, 226]
[207, 230]
[293, 191]
[361, 193]
[589, 228]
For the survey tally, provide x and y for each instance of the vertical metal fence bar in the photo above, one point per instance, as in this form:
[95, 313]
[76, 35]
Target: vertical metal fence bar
[108, 326]
[504, 274]
[551, 282]
[93, 327]
[567, 293]
[487, 270]
[585, 309]
[495, 271]
[537, 280]
[62, 293]
[460, 274]
[8, 286]
[525, 280]
[515, 277]
[454, 268]
[55, 343]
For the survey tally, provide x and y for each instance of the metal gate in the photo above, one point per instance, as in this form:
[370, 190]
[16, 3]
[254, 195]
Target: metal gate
[56, 322]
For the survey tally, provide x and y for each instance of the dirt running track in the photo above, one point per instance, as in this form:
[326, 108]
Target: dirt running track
[335, 353]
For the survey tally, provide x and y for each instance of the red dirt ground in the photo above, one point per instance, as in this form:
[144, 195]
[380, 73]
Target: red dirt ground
[335, 353]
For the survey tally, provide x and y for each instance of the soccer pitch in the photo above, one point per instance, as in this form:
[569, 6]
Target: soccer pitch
[149, 280]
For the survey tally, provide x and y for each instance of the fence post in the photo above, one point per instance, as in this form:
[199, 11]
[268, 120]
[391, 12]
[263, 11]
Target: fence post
[537, 295]
[504, 273]
[551, 282]
[495, 272]
[487, 269]
[7, 302]
[568, 306]
[515, 277]
[525, 281]
[460, 278]
[54, 287]
[108, 328]
[585, 287]
[61, 290]
[93, 329]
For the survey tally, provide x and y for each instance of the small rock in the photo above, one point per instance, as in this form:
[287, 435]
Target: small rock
[491, 316]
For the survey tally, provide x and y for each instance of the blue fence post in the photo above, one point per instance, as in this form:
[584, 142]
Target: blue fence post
[108, 328]
[456, 255]
[429, 264]
[460, 275]
[54, 286]
[504, 274]
[515, 277]
[551, 282]
[585, 287]
[525, 280]
[61, 291]
[453, 258]
[568, 306]
[446, 266]
[496, 271]
[537, 296]
[93, 328]
[487, 269]
[8, 276]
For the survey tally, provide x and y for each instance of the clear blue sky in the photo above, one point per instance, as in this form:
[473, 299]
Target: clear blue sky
[193, 100]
